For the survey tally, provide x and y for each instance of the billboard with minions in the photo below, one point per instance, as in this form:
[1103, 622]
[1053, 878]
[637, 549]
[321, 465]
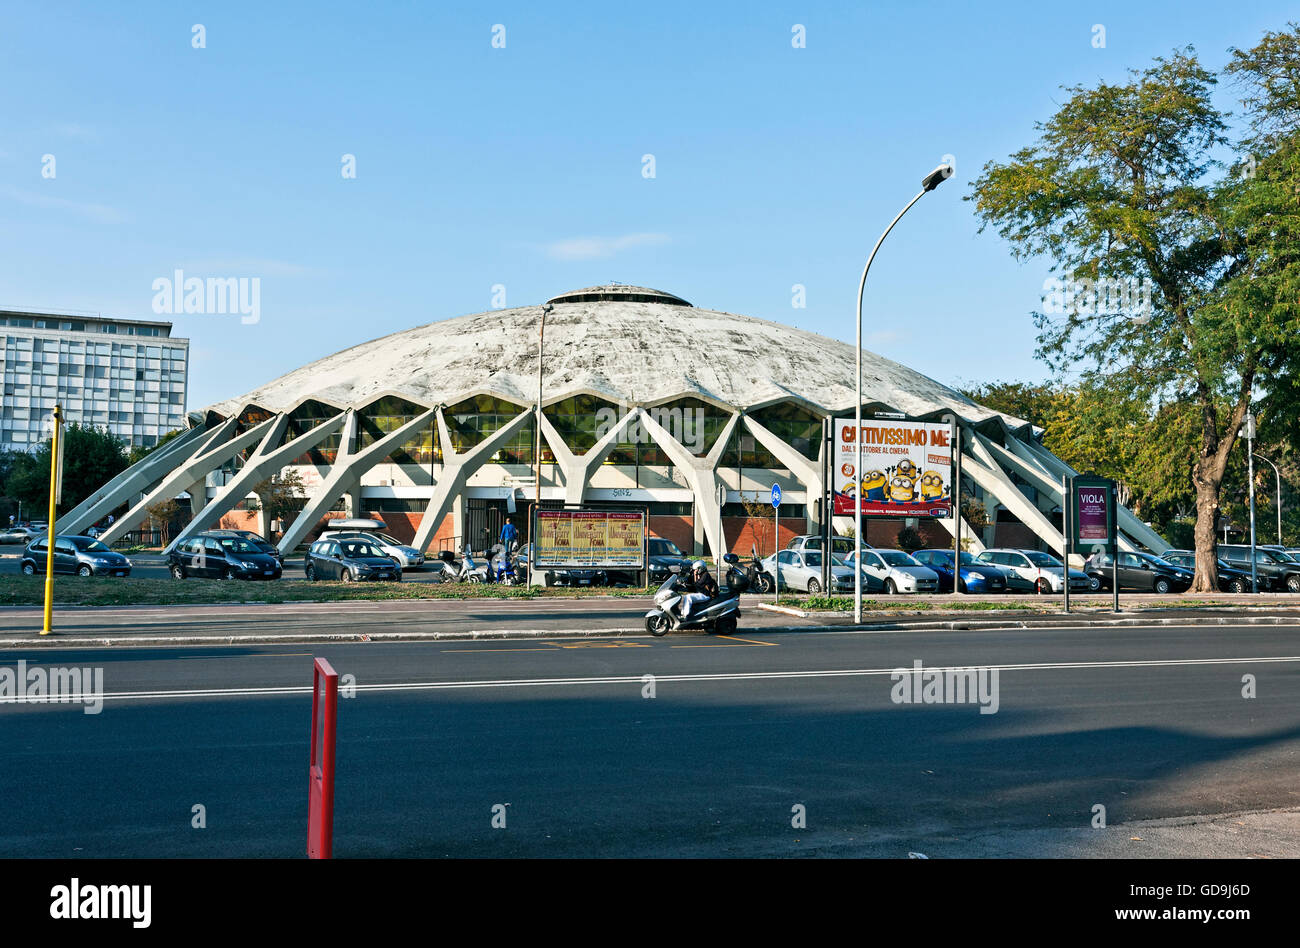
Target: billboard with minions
[906, 468]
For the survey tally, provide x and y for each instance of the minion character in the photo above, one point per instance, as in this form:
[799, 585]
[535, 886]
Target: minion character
[873, 485]
[902, 489]
[908, 469]
[931, 486]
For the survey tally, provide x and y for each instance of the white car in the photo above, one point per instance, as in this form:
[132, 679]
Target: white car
[897, 571]
[1044, 571]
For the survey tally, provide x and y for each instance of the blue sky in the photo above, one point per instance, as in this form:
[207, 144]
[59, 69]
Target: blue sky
[522, 166]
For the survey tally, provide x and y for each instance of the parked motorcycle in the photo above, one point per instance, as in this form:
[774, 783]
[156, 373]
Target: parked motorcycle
[504, 566]
[718, 614]
[467, 572]
[757, 578]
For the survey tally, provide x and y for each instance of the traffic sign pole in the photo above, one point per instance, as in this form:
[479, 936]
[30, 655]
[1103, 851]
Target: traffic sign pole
[776, 541]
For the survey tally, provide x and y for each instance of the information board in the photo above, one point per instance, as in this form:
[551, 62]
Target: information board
[1092, 514]
[603, 538]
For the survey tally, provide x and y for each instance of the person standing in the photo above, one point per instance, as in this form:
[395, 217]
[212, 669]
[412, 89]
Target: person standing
[509, 536]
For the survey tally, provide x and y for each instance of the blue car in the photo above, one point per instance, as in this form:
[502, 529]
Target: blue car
[975, 577]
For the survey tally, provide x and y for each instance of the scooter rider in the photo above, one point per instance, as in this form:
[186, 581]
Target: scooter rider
[703, 585]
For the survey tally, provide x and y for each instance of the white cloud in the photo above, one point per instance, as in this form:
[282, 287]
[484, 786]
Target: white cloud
[592, 248]
[101, 212]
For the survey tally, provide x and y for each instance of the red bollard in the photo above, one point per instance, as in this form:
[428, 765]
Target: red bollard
[320, 774]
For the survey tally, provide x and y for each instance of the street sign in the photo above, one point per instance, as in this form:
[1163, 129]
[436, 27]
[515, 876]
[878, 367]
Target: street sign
[1091, 515]
[776, 495]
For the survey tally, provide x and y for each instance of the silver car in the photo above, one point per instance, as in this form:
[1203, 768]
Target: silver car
[803, 571]
[897, 572]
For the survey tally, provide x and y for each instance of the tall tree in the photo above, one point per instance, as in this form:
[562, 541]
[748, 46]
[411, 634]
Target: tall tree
[1124, 188]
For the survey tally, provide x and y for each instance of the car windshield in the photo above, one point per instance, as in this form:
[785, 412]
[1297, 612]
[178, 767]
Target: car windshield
[897, 558]
[237, 545]
[1155, 559]
[812, 558]
[840, 561]
[89, 546]
[358, 548]
[664, 548]
[1041, 559]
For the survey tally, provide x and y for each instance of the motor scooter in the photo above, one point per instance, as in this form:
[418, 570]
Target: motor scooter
[718, 614]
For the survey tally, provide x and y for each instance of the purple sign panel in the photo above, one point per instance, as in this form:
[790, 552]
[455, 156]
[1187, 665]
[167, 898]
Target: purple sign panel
[1093, 521]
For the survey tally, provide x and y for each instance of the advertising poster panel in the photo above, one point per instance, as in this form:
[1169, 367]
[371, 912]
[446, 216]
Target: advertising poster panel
[906, 468]
[603, 538]
[1092, 514]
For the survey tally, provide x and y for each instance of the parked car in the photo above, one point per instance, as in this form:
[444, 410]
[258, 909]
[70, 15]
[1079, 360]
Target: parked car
[23, 535]
[975, 577]
[407, 556]
[350, 560]
[896, 572]
[1271, 570]
[1231, 579]
[263, 545]
[1141, 572]
[803, 571]
[663, 556]
[217, 556]
[84, 556]
[841, 546]
[1045, 572]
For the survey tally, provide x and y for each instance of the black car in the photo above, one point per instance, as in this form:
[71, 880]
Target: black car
[221, 556]
[1272, 570]
[1139, 571]
[349, 560]
[663, 556]
[263, 545]
[1231, 579]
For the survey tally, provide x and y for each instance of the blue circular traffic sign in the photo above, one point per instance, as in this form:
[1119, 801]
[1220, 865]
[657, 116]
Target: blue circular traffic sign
[776, 495]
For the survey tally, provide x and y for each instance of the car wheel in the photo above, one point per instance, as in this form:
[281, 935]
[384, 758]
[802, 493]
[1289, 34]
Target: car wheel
[1042, 587]
[85, 571]
[348, 576]
[311, 573]
[1162, 587]
[1293, 583]
[814, 587]
[1237, 586]
[1094, 584]
[891, 588]
[29, 569]
[178, 571]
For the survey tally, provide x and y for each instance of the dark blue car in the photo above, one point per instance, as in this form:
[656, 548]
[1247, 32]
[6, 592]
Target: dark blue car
[975, 577]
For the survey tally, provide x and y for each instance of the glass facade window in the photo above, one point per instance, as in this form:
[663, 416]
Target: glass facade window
[382, 417]
[303, 419]
[471, 421]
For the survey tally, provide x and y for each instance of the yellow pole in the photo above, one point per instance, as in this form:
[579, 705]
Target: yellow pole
[49, 539]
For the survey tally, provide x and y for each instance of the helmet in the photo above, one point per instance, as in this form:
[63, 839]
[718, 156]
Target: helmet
[698, 566]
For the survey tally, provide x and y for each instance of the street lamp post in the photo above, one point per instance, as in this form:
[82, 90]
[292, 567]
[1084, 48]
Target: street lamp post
[928, 183]
[1278, 476]
[537, 447]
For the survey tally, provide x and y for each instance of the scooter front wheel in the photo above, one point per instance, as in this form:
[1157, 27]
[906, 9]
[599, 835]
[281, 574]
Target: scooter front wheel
[657, 625]
[726, 626]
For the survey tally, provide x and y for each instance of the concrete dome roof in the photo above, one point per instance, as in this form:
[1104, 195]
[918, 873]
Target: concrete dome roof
[624, 350]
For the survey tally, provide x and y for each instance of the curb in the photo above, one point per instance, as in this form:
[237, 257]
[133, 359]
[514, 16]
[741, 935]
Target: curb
[100, 641]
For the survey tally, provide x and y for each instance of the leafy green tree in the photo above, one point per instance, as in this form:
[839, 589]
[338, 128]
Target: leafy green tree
[1125, 188]
[91, 458]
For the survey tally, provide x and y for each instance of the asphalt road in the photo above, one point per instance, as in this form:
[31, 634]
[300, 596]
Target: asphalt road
[1150, 723]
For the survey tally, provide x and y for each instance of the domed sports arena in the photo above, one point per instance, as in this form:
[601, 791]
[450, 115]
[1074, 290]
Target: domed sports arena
[433, 431]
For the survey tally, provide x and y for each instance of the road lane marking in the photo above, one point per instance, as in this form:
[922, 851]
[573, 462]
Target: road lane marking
[638, 679]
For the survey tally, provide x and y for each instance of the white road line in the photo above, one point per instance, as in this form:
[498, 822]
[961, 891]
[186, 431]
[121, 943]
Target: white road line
[637, 679]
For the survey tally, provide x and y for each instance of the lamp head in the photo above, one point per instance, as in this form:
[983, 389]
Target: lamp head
[936, 177]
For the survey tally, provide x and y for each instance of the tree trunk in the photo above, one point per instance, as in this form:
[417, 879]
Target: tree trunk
[1206, 481]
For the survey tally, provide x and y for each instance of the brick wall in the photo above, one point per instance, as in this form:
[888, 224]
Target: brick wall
[742, 533]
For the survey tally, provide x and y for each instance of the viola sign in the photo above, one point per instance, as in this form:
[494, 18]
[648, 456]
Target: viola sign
[1092, 514]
